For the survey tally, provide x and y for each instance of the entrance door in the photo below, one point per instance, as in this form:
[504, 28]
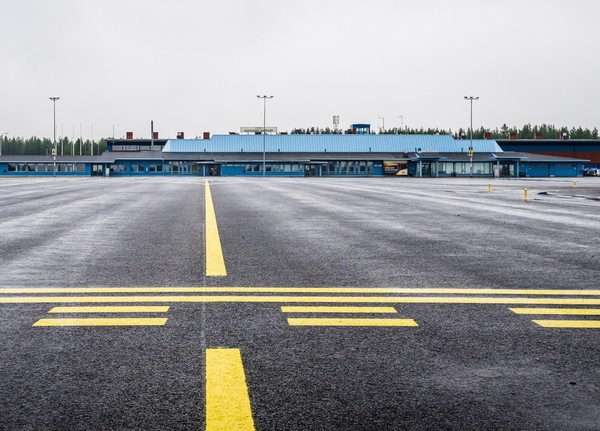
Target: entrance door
[507, 169]
[97, 170]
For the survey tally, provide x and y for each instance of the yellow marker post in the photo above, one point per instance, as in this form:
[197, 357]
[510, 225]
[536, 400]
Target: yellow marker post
[215, 263]
[227, 400]
[489, 188]
[525, 197]
[574, 184]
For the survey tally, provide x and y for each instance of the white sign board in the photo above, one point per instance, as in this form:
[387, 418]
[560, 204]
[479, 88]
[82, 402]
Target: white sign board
[258, 129]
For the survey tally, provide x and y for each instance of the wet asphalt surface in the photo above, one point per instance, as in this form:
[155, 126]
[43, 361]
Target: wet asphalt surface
[465, 367]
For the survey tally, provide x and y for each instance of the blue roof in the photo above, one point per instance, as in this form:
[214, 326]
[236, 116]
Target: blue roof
[328, 143]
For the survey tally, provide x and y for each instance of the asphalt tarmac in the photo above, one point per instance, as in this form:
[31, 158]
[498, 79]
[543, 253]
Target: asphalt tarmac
[464, 260]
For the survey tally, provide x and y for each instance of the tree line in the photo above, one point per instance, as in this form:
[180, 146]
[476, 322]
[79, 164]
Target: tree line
[43, 146]
[545, 131]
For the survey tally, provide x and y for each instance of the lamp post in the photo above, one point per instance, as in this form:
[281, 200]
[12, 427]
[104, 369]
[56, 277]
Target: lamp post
[471, 98]
[264, 98]
[54, 99]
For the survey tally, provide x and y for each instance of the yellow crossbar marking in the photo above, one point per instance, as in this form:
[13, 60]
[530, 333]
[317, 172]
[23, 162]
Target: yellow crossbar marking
[568, 323]
[102, 322]
[325, 290]
[299, 299]
[325, 309]
[227, 400]
[352, 322]
[574, 311]
[112, 309]
[215, 264]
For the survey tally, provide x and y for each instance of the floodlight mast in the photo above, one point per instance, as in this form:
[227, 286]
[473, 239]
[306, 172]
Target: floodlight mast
[471, 98]
[54, 99]
[264, 98]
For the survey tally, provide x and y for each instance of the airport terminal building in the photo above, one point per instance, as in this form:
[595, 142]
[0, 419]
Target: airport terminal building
[320, 155]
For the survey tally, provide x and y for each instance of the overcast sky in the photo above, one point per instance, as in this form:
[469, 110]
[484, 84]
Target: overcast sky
[196, 66]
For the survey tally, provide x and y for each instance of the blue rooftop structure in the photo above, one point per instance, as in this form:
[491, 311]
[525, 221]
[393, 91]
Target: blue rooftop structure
[349, 143]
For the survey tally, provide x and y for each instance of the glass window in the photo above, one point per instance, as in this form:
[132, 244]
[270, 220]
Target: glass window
[80, 167]
[41, 167]
[12, 167]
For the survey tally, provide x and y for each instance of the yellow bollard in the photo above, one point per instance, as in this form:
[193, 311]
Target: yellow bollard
[574, 184]
[489, 188]
[525, 198]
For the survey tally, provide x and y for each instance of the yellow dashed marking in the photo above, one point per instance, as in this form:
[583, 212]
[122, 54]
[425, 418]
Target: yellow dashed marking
[571, 311]
[215, 263]
[568, 323]
[112, 309]
[351, 322]
[326, 309]
[102, 322]
[227, 400]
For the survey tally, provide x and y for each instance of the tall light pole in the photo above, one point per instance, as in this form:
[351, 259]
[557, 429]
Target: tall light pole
[54, 99]
[264, 98]
[471, 98]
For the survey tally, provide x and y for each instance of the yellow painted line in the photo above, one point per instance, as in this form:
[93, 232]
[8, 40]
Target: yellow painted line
[325, 309]
[574, 311]
[298, 299]
[568, 323]
[215, 264]
[351, 322]
[227, 400]
[102, 322]
[325, 290]
[112, 309]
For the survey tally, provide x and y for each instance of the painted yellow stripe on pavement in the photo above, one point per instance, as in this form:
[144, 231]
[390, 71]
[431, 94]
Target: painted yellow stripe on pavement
[215, 263]
[325, 309]
[573, 311]
[299, 299]
[350, 322]
[568, 323]
[102, 322]
[391, 290]
[227, 400]
[112, 309]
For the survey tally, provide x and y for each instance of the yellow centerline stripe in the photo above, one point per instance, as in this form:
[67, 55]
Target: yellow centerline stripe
[215, 263]
[112, 309]
[297, 299]
[403, 290]
[227, 400]
[568, 323]
[102, 322]
[573, 311]
[350, 322]
[325, 309]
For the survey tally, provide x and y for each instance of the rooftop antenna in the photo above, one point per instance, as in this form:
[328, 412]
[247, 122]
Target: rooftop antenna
[383, 125]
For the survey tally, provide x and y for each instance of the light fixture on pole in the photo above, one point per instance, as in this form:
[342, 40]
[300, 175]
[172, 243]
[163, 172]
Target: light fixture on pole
[54, 99]
[471, 98]
[264, 98]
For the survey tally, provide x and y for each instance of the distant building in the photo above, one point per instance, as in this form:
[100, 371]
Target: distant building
[333, 155]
